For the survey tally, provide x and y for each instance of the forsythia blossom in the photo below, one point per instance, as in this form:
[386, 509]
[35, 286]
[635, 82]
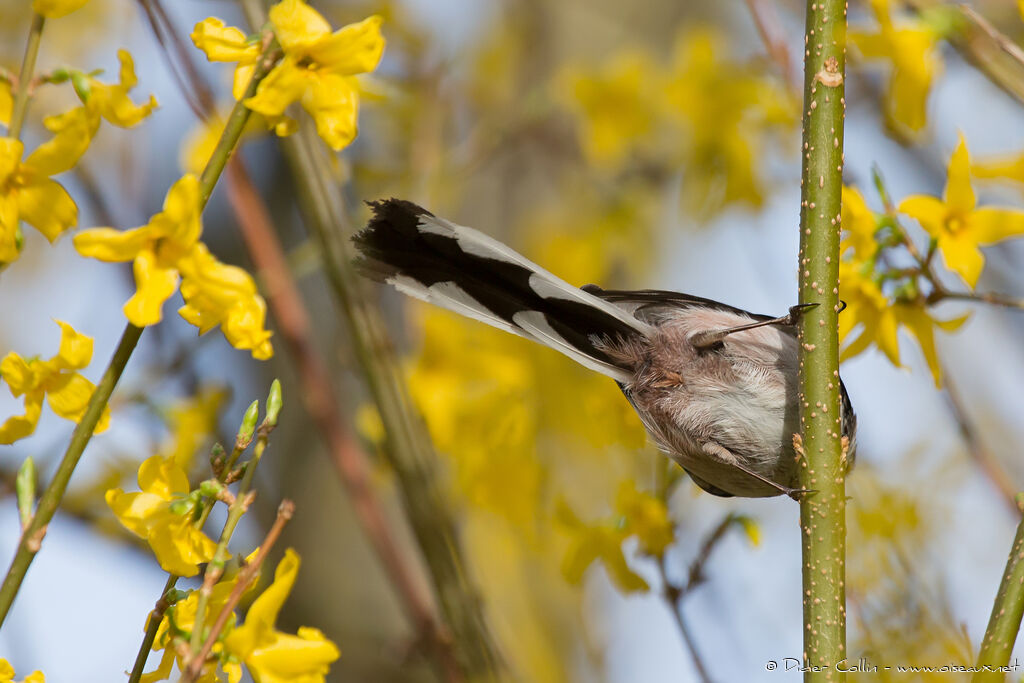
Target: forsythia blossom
[67, 391]
[958, 227]
[183, 616]
[868, 309]
[27, 193]
[167, 249]
[318, 68]
[152, 514]
[912, 49]
[270, 655]
[7, 674]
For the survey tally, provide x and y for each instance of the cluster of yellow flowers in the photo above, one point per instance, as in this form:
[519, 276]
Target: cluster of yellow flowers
[633, 112]
[956, 228]
[306, 62]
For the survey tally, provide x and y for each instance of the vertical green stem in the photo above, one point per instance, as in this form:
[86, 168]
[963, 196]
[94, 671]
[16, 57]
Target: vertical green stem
[28, 68]
[819, 446]
[1007, 610]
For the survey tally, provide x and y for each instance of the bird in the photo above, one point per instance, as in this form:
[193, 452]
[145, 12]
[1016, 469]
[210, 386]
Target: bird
[715, 386]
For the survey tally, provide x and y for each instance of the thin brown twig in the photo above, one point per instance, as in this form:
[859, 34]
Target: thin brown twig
[1005, 44]
[770, 29]
[321, 401]
[940, 293]
[673, 596]
[976, 449]
[245, 577]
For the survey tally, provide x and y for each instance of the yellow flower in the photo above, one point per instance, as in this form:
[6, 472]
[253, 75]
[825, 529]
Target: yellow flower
[957, 226]
[67, 391]
[7, 674]
[879, 319]
[155, 248]
[27, 193]
[860, 224]
[219, 294]
[592, 543]
[616, 106]
[111, 101]
[54, 9]
[270, 655]
[912, 49]
[318, 67]
[646, 517]
[227, 44]
[152, 514]
[183, 617]
[193, 422]
[725, 109]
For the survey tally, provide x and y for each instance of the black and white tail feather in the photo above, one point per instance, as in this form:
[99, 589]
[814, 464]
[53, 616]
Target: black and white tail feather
[465, 271]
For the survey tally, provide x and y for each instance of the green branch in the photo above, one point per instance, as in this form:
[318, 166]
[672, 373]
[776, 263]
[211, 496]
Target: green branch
[1004, 623]
[33, 534]
[819, 448]
[28, 67]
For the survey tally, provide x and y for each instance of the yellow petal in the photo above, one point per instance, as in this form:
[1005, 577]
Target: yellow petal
[181, 219]
[163, 671]
[162, 477]
[18, 374]
[960, 253]
[46, 206]
[992, 224]
[333, 103]
[154, 285]
[68, 395]
[6, 103]
[223, 43]
[9, 228]
[296, 24]
[285, 83]
[920, 325]
[1011, 168]
[959, 194]
[930, 212]
[112, 246]
[133, 510]
[860, 223]
[75, 348]
[73, 131]
[54, 9]
[10, 157]
[180, 547]
[352, 49]
[887, 337]
[303, 657]
[915, 66]
[20, 426]
[240, 81]
[260, 619]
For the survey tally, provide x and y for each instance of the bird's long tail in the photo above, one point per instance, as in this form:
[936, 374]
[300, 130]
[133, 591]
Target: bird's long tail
[467, 272]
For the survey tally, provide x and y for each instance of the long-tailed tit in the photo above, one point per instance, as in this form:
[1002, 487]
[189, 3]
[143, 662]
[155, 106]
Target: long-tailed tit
[715, 386]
